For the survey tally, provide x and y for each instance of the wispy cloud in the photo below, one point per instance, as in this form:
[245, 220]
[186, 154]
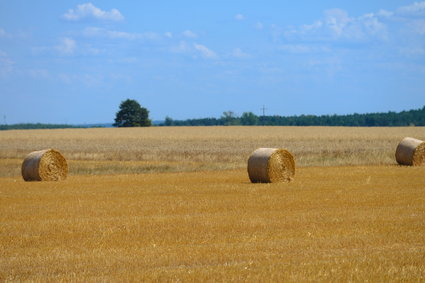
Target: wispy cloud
[101, 32]
[384, 13]
[113, 34]
[182, 47]
[189, 34]
[337, 21]
[239, 17]
[415, 9]
[89, 11]
[401, 30]
[259, 25]
[342, 26]
[194, 50]
[15, 35]
[238, 53]
[410, 21]
[66, 46]
[303, 48]
[337, 24]
[204, 51]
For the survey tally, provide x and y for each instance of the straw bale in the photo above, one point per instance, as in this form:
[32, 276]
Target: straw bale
[270, 165]
[410, 151]
[44, 165]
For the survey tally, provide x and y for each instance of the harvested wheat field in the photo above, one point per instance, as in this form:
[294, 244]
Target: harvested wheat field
[169, 213]
[177, 149]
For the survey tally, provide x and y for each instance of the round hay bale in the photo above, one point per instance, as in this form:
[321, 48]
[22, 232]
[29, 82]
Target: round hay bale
[410, 151]
[271, 165]
[44, 165]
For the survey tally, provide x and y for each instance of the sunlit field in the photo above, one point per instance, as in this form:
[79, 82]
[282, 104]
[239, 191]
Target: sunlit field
[176, 204]
[176, 149]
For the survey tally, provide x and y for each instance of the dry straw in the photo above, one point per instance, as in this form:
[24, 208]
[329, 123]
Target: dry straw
[270, 165]
[410, 151]
[44, 165]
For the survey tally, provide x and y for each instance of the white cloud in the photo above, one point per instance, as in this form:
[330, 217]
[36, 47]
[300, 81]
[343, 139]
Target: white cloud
[338, 25]
[89, 11]
[372, 26]
[239, 17]
[314, 26]
[189, 34]
[113, 34]
[2, 32]
[150, 35]
[204, 51]
[303, 48]
[193, 49]
[122, 35]
[384, 13]
[337, 20]
[183, 47]
[415, 9]
[66, 46]
[259, 25]
[168, 34]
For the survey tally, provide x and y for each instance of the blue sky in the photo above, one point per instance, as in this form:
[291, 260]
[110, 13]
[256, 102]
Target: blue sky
[75, 61]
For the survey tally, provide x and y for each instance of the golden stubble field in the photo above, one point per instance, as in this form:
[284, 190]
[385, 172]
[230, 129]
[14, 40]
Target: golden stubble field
[175, 204]
[177, 149]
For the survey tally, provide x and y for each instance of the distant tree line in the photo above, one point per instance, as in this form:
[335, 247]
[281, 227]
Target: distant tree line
[388, 119]
[29, 126]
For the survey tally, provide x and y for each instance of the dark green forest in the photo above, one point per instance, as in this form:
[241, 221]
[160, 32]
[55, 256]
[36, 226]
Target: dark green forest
[388, 119]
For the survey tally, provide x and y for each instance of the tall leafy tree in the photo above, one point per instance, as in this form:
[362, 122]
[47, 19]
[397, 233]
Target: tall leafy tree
[131, 114]
[229, 118]
[249, 118]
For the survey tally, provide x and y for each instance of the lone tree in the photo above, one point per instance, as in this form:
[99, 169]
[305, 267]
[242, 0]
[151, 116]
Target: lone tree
[131, 114]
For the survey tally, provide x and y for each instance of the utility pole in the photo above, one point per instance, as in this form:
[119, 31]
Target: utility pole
[4, 119]
[262, 119]
[264, 110]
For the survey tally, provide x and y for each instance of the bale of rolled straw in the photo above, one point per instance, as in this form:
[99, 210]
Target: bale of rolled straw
[270, 165]
[44, 165]
[410, 151]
